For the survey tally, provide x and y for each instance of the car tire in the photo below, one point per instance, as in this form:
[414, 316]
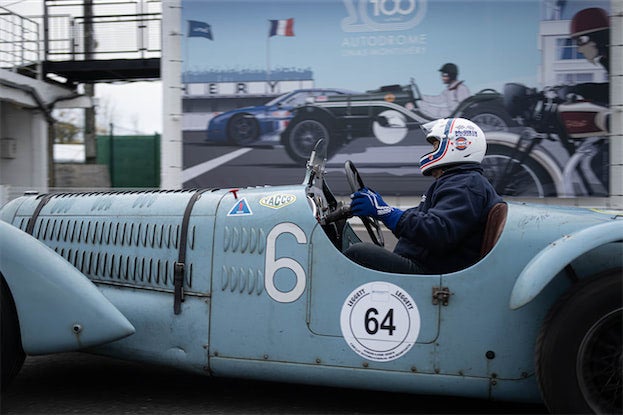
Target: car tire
[243, 129]
[510, 177]
[12, 354]
[578, 351]
[489, 117]
[303, 136]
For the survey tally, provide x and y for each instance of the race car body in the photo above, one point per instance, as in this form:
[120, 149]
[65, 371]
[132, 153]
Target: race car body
[253, 283]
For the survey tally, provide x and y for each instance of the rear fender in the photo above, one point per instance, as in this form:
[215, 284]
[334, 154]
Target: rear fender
[58, 308]
[551, 260]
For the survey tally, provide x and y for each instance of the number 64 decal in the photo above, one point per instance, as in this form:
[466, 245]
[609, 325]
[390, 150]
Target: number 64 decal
[380, 321]
[273, 264]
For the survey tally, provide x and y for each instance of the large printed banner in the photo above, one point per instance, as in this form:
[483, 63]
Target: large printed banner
[264, 80]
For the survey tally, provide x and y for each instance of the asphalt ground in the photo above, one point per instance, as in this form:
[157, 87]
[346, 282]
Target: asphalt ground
[78, 383]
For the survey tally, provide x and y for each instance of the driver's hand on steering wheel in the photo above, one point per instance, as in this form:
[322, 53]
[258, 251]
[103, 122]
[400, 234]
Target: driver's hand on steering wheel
[366, 202]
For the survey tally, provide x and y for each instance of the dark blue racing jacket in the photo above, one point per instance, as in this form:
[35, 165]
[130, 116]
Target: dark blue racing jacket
[444, 232]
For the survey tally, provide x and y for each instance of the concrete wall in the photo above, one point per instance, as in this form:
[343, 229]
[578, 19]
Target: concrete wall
[24, 160]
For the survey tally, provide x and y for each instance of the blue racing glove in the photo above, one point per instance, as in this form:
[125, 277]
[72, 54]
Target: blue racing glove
[367, 202]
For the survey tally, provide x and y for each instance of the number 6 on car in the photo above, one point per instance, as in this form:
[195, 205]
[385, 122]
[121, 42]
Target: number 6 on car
[273, 264]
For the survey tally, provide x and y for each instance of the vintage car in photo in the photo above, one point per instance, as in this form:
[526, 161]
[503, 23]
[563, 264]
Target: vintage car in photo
[390, 114]
[253, 283]
[262, 124]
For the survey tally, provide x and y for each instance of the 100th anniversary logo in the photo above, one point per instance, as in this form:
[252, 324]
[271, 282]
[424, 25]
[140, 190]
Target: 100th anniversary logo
[383, 16]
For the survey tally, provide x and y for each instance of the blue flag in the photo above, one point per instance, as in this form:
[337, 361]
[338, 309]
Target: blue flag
[199, 29]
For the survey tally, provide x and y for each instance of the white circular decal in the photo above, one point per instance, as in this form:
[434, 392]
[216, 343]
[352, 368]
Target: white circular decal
[393, 130]
[380, 321]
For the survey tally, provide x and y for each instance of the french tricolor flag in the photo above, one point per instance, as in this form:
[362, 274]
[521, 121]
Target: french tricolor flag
[281, 28]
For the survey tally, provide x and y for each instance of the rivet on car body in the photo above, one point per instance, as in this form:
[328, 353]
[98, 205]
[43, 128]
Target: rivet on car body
[490, 354]
[76, 328]
[365, 364]
[318, 360]
[413, 369]
[265, 357]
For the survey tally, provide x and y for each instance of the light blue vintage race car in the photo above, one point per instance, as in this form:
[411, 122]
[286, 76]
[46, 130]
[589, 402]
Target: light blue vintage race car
[252, 283]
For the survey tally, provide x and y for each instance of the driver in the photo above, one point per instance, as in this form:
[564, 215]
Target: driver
[445, 231]
[437, 106]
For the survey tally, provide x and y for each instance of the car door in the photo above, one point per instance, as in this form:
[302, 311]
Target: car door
[387, 318]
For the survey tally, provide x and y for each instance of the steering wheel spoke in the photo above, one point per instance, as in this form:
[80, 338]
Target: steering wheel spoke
[371, 224]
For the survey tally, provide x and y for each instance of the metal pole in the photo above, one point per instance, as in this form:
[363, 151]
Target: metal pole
[171, 70]
[90, 150]
[111, 159]
[616, 104]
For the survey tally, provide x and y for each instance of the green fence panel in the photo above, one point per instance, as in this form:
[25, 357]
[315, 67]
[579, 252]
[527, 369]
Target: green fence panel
[133, 160]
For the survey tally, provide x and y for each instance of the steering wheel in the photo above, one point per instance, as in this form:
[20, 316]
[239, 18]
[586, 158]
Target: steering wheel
[371, 224]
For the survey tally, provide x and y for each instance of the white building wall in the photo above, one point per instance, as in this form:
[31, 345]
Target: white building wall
[24, 158]
[25, 165]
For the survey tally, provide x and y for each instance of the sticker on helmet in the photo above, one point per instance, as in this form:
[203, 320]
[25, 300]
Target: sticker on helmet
[461, 143]
[380, 321]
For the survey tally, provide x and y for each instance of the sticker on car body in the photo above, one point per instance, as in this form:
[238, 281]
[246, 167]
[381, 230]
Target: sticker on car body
[380, 321]
[277, 200]
[240, 208]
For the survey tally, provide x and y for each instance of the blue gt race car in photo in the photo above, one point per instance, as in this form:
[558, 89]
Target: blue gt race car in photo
[253, 283]
[262, 124]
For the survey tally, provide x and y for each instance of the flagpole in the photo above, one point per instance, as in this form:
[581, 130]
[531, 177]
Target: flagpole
[267, 58]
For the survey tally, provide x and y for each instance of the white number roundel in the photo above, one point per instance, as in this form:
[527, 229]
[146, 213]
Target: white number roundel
[380, 321]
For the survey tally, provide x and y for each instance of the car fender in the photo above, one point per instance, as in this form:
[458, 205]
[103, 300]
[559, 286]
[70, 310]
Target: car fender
[551, 260]
[312, 111]
[58, 308]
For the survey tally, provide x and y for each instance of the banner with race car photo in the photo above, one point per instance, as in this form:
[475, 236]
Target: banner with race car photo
[264, 80]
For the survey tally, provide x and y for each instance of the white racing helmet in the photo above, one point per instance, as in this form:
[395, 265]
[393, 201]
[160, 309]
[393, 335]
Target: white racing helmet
[460, 141]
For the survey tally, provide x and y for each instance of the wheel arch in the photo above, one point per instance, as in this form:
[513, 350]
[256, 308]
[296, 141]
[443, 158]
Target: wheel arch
[546, 265]
[545, 160]
[58, 308]
[309, 112]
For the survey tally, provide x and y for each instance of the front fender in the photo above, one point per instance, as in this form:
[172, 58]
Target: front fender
[551, 260]
[58, 308]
